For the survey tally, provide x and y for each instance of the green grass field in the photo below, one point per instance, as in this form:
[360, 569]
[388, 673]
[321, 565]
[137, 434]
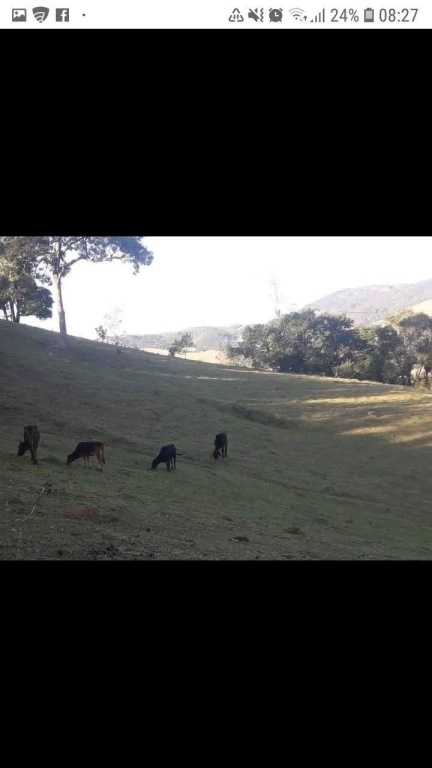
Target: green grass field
[317, 468]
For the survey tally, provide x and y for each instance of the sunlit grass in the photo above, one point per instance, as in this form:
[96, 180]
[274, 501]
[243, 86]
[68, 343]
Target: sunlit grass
[316, 468]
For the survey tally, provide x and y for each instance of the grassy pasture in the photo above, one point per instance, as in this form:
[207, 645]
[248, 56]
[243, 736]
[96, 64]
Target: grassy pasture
[317, 468]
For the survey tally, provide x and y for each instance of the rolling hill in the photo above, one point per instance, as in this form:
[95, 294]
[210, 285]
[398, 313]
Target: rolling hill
[373, 303]
[205, 337]
[316, 468]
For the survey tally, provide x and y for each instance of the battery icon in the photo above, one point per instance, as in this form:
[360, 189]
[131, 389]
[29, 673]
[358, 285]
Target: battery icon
[369, 14]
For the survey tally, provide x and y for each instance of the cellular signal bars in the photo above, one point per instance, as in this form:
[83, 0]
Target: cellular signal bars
[320, 17]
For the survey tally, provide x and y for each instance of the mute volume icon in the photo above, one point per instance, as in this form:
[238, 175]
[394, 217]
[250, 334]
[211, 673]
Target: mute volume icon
[257, 14]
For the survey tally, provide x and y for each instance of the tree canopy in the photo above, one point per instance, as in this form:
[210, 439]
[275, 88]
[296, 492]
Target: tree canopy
[300, 342]
[53, 257]
[329, 345]
[20, 294]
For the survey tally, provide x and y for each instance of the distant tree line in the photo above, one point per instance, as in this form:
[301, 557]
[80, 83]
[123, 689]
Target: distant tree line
[328, 345]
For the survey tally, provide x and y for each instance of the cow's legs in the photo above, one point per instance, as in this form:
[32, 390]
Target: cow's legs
[33, 452]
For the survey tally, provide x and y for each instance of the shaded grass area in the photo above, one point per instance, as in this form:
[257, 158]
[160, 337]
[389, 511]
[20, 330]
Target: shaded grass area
[317, 468]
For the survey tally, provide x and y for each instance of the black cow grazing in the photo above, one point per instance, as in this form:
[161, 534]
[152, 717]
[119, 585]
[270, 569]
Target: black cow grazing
[167, 455]
[221, 446]
[30, 443]
[87, 449]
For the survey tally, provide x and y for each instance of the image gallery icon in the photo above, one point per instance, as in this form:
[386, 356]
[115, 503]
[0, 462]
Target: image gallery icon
[19, 14]
[62, 14]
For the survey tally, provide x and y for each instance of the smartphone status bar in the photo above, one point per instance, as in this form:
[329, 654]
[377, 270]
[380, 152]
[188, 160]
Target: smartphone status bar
[194, 14]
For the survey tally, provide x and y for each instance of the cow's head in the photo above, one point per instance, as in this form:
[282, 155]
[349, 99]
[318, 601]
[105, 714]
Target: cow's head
[22, 448]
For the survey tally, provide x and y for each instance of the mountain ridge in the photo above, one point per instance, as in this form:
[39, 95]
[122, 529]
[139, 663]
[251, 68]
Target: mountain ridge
[373, 303]
[205, 337]
[366, 305]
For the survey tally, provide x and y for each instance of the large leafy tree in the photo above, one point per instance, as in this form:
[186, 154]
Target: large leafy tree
[24, 298]
[20, 294]
[411, 344]
[289, 337]
[66, 251]
[416, 332]
[301, 342]
[393, 349]
[332, 342]
[255, 346]
[54, 258]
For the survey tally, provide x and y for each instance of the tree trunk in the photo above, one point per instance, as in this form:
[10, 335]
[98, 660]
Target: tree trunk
[57, 275]
[59, 303]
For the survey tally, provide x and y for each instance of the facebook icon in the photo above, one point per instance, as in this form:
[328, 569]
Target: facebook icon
[62, 14]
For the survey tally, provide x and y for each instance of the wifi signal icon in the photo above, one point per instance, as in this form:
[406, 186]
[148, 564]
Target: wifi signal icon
[298, 14]
[40, 13]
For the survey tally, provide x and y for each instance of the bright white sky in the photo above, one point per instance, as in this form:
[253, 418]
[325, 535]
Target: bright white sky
[224, 280]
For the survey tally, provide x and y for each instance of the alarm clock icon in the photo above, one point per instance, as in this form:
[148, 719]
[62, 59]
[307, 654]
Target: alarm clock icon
[275, 14]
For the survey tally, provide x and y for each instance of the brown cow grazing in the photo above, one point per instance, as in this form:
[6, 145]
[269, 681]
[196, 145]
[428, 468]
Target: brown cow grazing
[167, 455]
[87, 449]
[221, 446]
[30, 443]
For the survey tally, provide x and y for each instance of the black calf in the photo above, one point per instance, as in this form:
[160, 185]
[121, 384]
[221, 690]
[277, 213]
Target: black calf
[167, 455]
[221, 446]
[30, 443]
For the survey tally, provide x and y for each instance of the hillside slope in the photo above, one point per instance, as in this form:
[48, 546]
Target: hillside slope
[316, 468]
[373, 303]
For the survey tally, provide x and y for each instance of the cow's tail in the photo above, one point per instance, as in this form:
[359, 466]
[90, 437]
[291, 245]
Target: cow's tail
[103, 455]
